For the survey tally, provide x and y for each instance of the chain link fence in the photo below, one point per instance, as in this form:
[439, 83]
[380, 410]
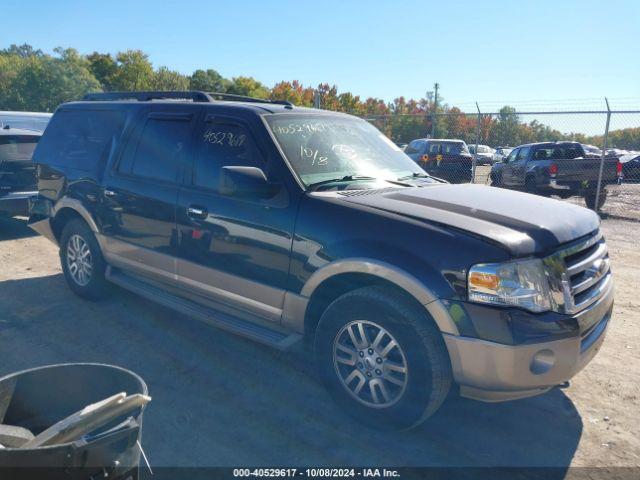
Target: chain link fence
[491, 149]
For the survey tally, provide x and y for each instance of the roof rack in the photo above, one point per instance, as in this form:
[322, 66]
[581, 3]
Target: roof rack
[146, 96]
[193, 95]
[244, 98]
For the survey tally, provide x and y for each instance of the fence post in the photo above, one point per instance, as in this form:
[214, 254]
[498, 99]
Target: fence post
[602, 156]
[317, 99]
[475, 155]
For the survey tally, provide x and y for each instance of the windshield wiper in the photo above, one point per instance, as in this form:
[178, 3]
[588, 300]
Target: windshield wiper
[346, 178]
[414, 175]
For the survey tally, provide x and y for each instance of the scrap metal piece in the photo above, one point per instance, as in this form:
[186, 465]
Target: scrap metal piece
[88, 419]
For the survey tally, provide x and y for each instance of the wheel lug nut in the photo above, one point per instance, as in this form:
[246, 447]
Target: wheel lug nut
[368, 374]
[370, 351]
[378, 360]
[378, 371]
[361, 353]
[360, 366]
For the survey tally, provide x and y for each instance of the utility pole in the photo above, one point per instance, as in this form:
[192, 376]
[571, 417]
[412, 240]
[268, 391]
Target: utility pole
[435, 110]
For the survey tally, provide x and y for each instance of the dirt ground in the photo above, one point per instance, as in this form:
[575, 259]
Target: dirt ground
[222, 401]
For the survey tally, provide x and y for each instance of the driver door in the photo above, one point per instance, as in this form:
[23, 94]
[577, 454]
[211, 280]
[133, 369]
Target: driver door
[507, 171]
[233, 251]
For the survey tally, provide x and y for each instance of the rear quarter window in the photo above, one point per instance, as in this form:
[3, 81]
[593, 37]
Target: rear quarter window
[79, 139]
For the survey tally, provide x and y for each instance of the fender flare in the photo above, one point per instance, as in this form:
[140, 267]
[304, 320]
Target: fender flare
[79, 208]
[388, 272]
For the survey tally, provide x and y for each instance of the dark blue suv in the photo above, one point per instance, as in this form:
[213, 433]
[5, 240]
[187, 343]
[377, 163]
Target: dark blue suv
[308, 229]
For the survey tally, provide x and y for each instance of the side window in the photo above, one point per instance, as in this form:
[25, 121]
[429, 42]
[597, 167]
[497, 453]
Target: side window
[78, 138]
[158, 152]
[434, 148]
[523, 153]
[512, 155]
[221, 145]
[413, 147]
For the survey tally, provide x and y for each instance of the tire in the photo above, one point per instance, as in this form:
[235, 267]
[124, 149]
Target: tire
[590, 199]
[496, 181]
[77, 237]
[414, 395]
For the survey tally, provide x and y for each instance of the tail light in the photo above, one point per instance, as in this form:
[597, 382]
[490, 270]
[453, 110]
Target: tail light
[553, 169]
[619, 168]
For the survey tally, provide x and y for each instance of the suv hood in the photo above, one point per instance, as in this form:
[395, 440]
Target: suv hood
[525, 224]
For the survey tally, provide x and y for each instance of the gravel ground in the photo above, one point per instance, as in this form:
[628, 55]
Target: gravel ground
[222, 401]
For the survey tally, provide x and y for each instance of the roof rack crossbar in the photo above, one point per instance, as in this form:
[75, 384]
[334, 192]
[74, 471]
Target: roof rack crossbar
[146, 96]
[245, 98]
[193, 95]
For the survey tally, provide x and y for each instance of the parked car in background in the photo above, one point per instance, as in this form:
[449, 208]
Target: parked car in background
[555, 168]
[294, 226]
[630, 166]
[591, 151]
[17, 171]
[616, 152]
[484, 155]
[448, 159]
[27, 120]
[501, 153]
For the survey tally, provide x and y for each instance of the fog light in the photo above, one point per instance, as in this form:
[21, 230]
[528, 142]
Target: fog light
[542, 362]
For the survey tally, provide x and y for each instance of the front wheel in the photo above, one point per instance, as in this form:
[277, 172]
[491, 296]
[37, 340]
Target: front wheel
[82, 261]
[382, 358]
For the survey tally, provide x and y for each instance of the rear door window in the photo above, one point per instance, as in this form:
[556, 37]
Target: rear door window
[157, 152]
[79, 138]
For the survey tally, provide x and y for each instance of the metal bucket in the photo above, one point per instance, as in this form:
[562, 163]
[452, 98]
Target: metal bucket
[38, 398]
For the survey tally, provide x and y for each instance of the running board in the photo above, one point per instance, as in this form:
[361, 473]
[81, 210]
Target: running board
[224, 321]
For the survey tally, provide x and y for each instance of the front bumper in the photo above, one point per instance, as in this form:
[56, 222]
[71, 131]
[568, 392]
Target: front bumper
[16, 203]
[494, 372]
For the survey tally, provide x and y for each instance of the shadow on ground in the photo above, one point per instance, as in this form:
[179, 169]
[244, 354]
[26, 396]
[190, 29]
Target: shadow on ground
[14, 229]
[222, 401]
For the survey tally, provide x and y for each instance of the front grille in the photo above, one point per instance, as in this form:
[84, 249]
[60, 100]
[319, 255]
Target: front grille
[585, 273]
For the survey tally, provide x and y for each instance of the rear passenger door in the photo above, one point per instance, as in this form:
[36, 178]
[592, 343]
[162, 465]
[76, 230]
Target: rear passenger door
[233, 251]
[140, 193]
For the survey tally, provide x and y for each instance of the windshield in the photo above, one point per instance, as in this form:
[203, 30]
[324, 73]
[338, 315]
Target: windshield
[325, 147]
[17, 148]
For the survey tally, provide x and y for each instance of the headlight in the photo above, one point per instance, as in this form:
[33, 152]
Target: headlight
[521, 284]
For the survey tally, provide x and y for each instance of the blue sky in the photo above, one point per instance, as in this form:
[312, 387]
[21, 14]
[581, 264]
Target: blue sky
[494, 52]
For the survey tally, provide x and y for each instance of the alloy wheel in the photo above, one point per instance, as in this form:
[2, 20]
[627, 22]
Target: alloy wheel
[370, 364]
[79, 260]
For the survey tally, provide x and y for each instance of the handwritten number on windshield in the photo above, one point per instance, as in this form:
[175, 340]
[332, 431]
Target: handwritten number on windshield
[314, 155]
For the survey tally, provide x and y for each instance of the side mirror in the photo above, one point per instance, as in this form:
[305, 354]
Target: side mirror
[246, 182]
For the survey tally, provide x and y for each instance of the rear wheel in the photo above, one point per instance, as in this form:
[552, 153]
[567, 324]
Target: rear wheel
[82, 261]
[530, 185]
[496, 180]
[382, 358]
[590, 199]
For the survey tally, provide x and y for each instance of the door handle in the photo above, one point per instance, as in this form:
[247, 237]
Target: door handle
[110, 193]
[197, 212]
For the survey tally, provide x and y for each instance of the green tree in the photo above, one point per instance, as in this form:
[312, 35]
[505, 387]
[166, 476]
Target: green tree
[208, 81]
[104, 67]
[134, 71]
[41, 83]
[248, 86]
[24, 51]
[165, 79]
